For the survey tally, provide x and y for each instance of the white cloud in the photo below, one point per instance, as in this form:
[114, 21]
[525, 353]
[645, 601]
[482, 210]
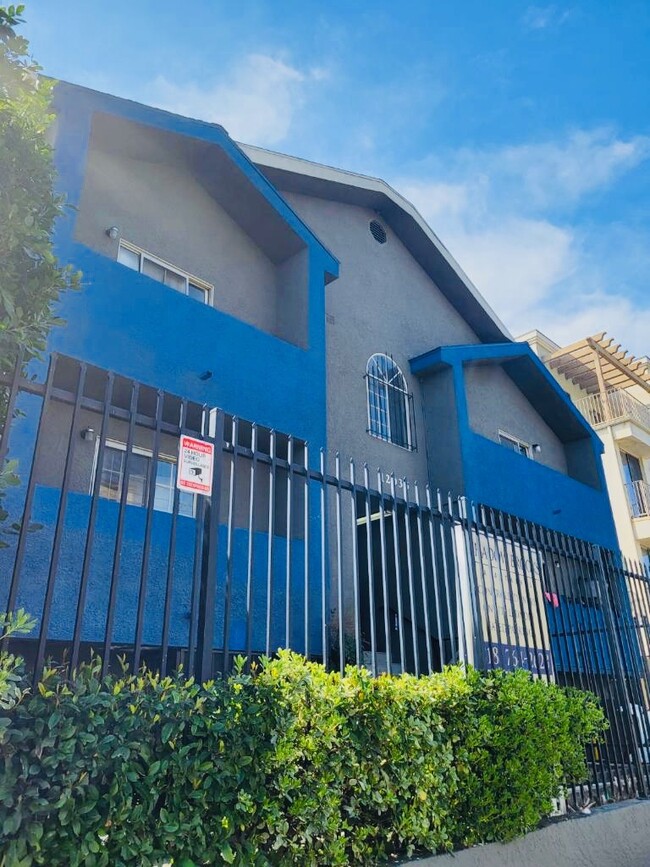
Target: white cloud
[515, 262]
[546, 174]
[592, 312]
[543, 17]
[494, 211]
[565, 171]
[256, 102]
[436, 199]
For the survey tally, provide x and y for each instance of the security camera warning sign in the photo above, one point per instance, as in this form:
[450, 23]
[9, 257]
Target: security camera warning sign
[195, 460]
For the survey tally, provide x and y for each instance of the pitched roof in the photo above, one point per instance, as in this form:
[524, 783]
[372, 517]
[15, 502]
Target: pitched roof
[291, 174]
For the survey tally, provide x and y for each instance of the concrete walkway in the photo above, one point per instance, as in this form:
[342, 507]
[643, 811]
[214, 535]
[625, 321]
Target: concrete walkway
[614, 836]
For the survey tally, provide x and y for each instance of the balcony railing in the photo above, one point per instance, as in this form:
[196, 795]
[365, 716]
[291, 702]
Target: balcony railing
[638, 494]
[615, 405]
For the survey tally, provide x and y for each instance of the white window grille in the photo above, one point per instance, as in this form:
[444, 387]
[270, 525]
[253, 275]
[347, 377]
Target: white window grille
[515, 444]
[139, 260]
[140, 478]
[389, 402]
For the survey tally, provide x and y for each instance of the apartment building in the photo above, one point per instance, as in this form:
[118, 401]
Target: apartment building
[611, 389]
[315, 316]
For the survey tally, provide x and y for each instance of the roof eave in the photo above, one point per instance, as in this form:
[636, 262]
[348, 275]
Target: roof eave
[297, 175]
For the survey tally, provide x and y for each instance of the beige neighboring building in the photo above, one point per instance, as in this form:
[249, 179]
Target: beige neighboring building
[612, 390]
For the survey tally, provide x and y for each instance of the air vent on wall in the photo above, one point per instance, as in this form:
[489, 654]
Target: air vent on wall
[378, 232]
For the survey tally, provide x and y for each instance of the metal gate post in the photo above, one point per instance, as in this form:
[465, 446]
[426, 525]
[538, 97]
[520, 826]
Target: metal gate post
[618, 661]
[208, 589]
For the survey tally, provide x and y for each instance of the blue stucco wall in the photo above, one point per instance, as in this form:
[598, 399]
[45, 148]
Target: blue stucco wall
[126, 322]
[68, 576]
[36, 564]
[501, 478]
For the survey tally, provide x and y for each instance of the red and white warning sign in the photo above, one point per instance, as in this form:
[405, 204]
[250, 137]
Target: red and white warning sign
[195, 460]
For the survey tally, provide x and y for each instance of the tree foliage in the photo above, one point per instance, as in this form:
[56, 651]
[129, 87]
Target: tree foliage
[31, 279]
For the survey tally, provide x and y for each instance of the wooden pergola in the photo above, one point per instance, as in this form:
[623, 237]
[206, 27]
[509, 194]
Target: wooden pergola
[597, 364]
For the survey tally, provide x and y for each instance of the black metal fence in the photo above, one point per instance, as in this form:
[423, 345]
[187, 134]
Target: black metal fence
[295, 549]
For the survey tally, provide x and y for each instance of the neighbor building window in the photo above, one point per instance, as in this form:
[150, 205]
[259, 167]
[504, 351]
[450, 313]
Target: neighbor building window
[139, 260]
[389, 402]
[515, 444]
[140, 478]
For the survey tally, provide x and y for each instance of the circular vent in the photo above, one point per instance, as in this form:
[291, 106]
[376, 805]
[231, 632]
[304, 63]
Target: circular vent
[378, 232]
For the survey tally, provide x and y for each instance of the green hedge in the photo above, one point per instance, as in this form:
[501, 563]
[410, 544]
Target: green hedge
[288, 766]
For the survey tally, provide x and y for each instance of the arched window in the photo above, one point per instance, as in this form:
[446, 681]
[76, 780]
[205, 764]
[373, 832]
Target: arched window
[389, 403]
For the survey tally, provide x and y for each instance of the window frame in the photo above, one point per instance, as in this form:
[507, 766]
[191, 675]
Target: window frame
[406, 398]
[627, 468]
[203, 285]
[118, 445]
[528, 453]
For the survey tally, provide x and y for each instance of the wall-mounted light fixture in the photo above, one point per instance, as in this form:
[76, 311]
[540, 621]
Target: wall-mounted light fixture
[113, 233]
[536, 448]
[88, 434]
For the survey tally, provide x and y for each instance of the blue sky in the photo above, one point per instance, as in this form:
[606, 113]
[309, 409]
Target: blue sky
[521, 131]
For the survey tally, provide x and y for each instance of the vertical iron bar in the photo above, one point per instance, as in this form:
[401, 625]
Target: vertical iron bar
[483, 612]
[171, 557]
[209, 575]
[623, 595]
[508, 627]
[289, 517]
[370, 571]
[411, 583]
[269, 548]
[514, 589]
[627, 593]
[250, 574]
[324, 558]
[564, 592]
[146, 547]
[534, 553]
[339, 563]
[90, 530]
[384, 573]
[472, 580]
[398, 575]
[455, 521]
[423, 579]
[525, 579]
[516, 579]
[119, 533]
[619, 658]
[59, 526]
[606, 591]
[306, 534]
[590, 639]
[355, 567]
[199, 524]
[29, 494]
[445, 571]
[596, 644]
[436, 577]
[232, 495]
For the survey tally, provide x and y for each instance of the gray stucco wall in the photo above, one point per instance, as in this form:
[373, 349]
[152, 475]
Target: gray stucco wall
[495, 403]
[442, 435]
[382, 302]
[614, 836]
[160, 205]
